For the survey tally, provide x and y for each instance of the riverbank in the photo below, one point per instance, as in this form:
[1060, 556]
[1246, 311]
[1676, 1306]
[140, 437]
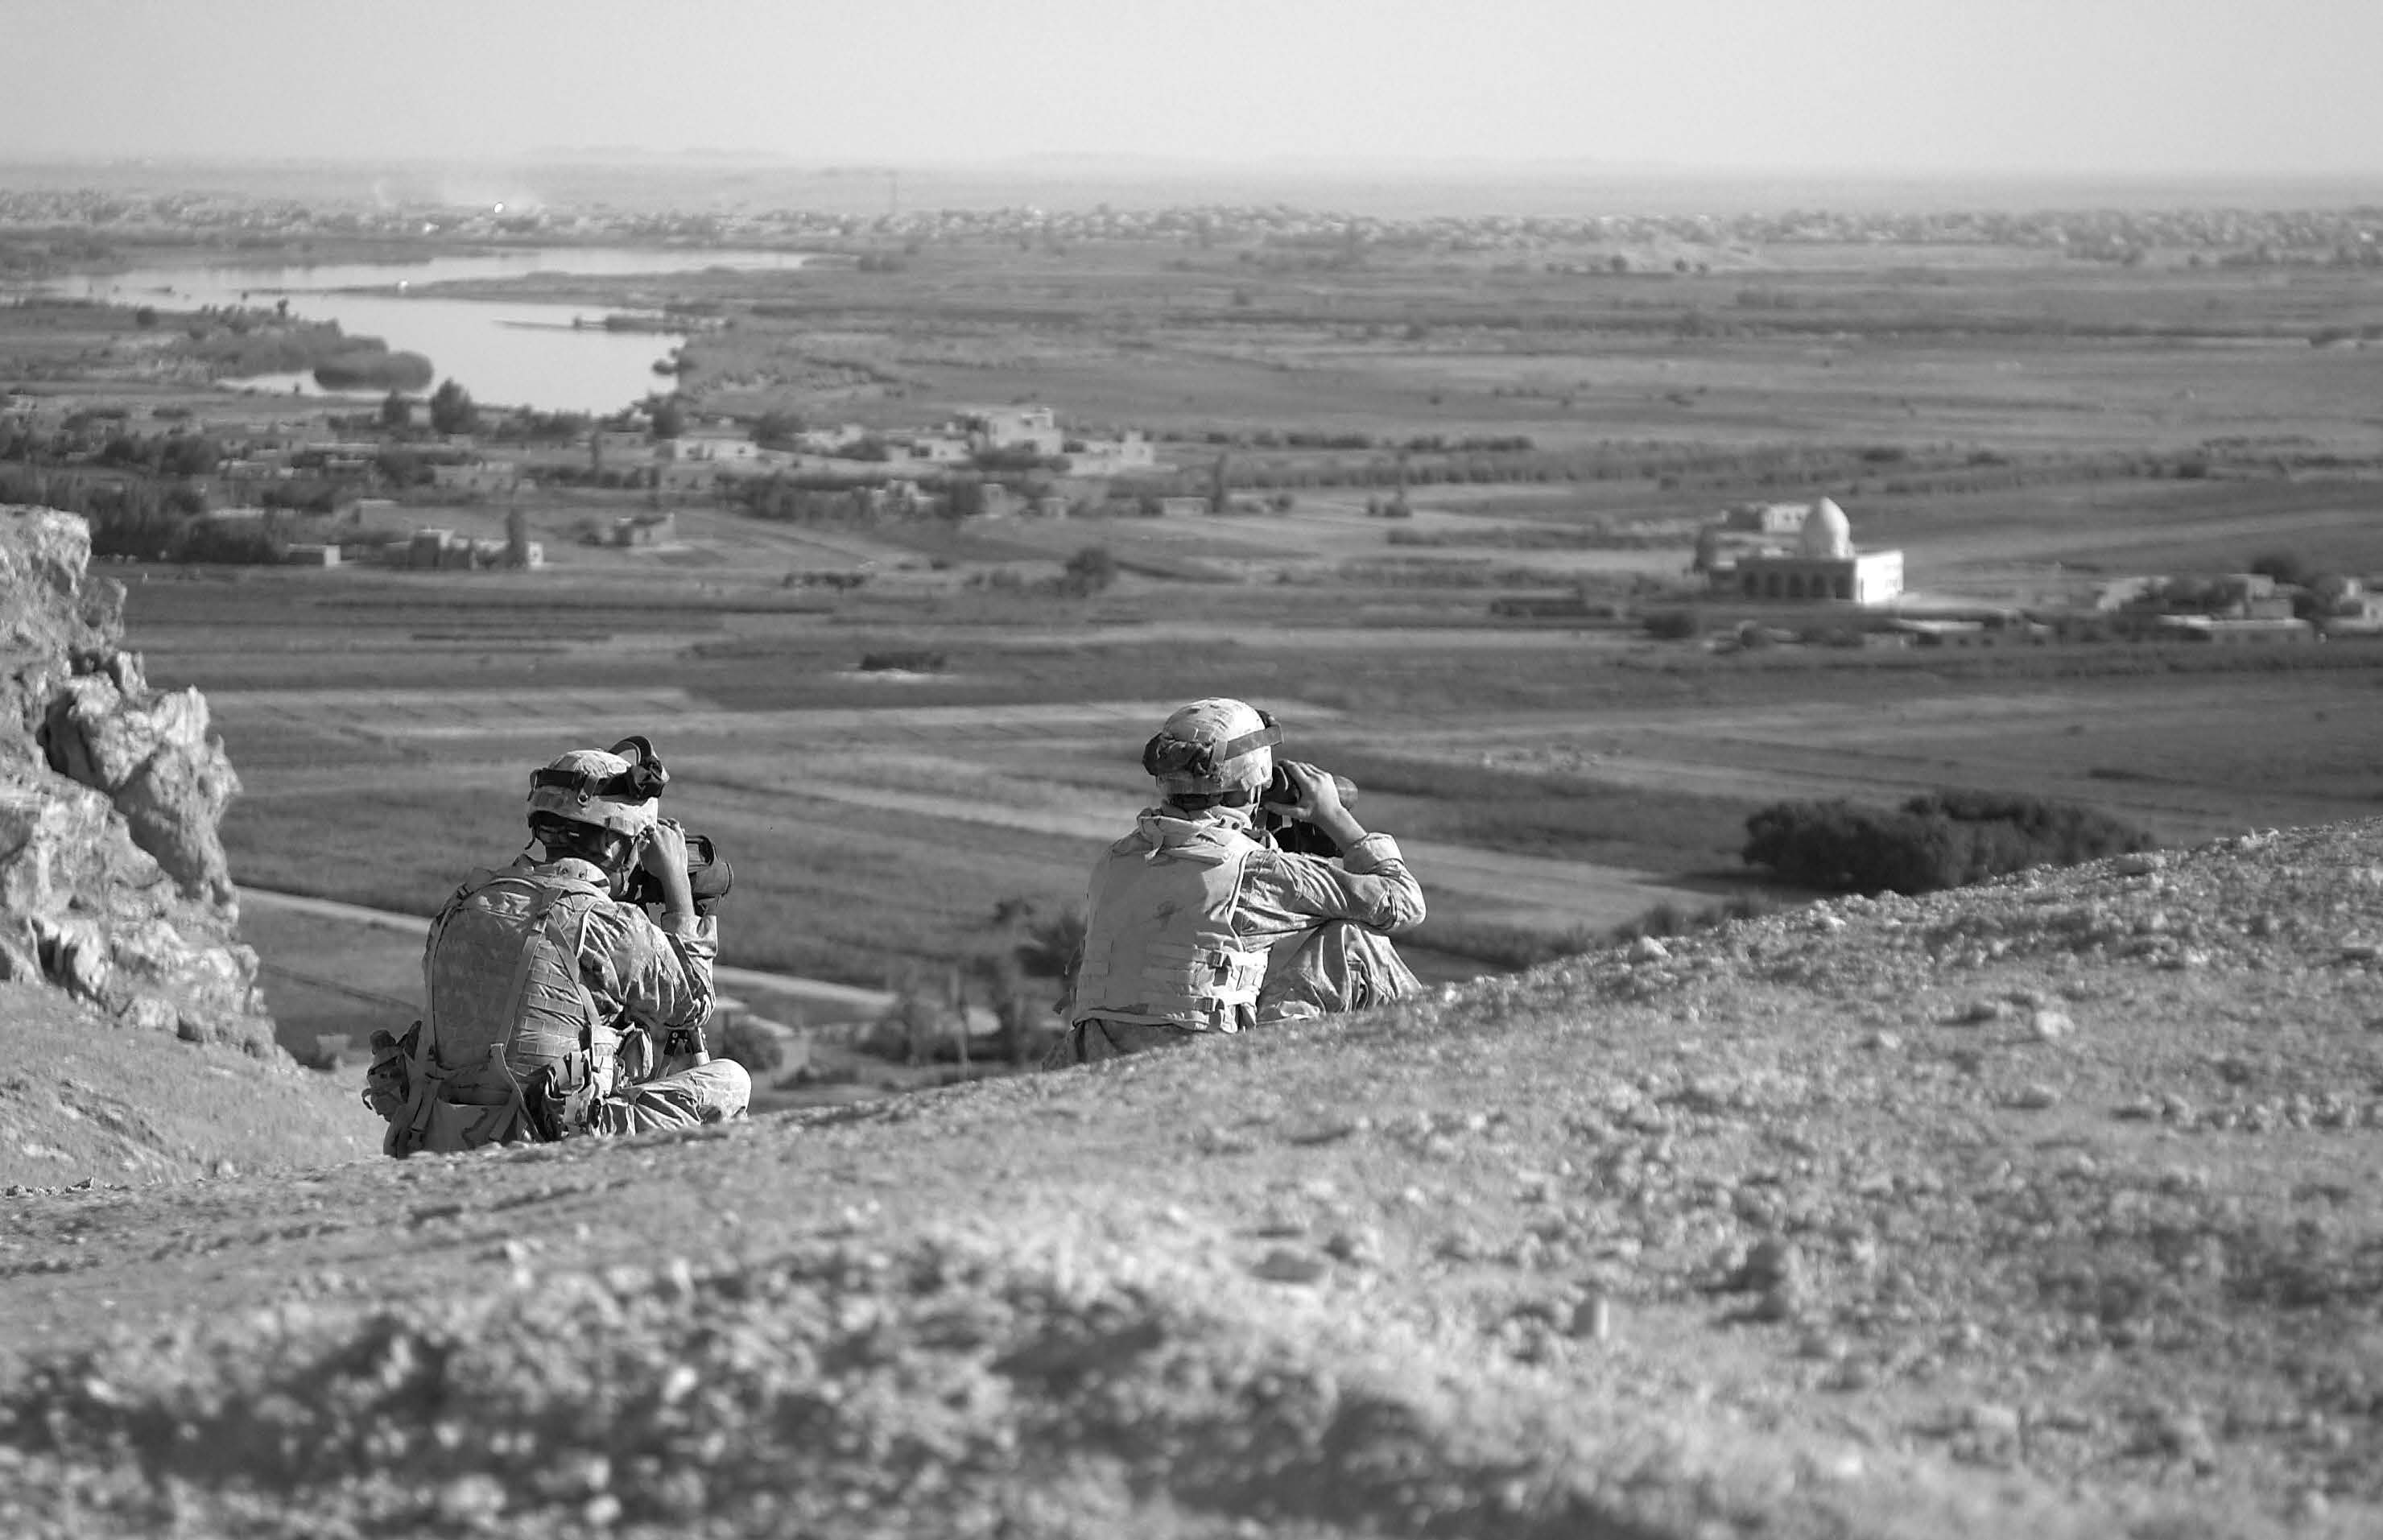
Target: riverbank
[507, 342]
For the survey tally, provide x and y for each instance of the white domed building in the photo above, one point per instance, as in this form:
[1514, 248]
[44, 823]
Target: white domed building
[1821, 565]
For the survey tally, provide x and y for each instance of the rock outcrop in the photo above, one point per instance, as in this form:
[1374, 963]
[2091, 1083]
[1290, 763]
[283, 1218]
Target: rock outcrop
[113, 884]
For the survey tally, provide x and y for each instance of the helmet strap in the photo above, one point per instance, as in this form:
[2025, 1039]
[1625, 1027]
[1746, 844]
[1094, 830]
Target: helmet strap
[1200, 802]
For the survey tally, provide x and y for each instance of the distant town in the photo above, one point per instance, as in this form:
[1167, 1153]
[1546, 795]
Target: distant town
[2351, 236]
[328, 489]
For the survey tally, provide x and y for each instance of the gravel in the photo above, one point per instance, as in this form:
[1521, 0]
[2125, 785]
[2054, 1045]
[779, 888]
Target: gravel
[2049, 1207]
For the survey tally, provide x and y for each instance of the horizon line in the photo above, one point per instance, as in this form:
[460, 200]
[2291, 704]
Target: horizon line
[1398, 166]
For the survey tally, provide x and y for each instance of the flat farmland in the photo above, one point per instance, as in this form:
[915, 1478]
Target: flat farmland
[867, 839]
[1548, 783]
[2190, 758]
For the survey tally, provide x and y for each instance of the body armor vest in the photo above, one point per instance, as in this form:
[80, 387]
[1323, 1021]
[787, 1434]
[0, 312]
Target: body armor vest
[510, 1044]
[1159, 944]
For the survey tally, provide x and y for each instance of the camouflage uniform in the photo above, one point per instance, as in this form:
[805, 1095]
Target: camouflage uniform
[656, 977]
[1323, 926]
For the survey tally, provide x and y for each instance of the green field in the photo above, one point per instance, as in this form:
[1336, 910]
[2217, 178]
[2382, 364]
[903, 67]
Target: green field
[877, 821]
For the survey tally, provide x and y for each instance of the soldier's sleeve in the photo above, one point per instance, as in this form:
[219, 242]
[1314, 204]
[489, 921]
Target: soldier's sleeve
[1370, 884]
[659, 975]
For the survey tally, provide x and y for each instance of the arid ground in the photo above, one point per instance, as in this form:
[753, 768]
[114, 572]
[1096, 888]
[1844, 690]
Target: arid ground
[2045, 1207]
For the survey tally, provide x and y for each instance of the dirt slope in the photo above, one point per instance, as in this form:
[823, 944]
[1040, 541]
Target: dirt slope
[2048, 1208]
[84, 1099]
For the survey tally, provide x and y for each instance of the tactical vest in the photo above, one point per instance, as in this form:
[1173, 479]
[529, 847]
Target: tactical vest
[1159, 944]
[512, 1046]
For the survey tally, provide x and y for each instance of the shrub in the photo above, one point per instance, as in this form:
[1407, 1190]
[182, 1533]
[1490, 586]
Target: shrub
[2284, 566]
[903, 660]
[1510, 947]
[1671, 919]
[1088, 571]
[1940, 840]
[756, 1048]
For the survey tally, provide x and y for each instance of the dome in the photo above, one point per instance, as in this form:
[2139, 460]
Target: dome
[1827, 536]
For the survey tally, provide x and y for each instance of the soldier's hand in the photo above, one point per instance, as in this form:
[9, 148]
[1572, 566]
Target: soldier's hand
[1319, 804]
[1318, 796]
[662, 850]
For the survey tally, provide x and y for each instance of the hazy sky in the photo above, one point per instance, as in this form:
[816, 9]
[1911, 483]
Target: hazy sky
[2157, 87]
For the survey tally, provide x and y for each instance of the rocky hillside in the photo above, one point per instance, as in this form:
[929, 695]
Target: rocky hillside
[2047, 1207]
[112, 879]
[137, 1045]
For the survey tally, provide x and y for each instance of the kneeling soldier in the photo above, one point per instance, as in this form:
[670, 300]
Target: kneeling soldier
[551, 1000]
[1197, 923]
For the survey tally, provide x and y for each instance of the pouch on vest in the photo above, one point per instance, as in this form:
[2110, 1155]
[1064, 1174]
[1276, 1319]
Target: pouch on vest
[452, 1127]
[385, 1088]
[560, 1099]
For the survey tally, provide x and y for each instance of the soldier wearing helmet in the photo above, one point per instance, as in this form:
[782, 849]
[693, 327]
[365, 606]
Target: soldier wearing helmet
[1197, 923]
[554, 1007]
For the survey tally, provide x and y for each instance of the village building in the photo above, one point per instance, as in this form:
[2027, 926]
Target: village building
[482, 478]
[2206, 628]
[935, 448]
[1767, 518]
[710, 445]
[1130, 452]
[644, 529]
[1034, 428]
[449, 550]
[1819, 564]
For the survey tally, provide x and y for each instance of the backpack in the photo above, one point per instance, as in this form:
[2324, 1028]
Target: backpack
[510, 1047]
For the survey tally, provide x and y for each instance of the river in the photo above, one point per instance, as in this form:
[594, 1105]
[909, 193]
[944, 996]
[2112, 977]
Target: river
[504, 352]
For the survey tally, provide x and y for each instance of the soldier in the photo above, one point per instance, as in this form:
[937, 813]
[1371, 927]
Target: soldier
[1198, 923]
[549, 999]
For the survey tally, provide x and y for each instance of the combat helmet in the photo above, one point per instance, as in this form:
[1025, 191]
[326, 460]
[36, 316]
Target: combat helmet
[612, 789]
[1215, 750]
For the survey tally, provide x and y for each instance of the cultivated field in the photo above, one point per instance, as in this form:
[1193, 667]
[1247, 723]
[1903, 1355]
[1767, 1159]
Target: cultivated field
[1548, 784]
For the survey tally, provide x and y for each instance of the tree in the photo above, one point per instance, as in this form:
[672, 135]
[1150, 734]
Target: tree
[669, 417]
[754, 1046]
[1942, 840]
[396, 411]
[777, 430]
[451, 410]
[2284, 566]
[187, 454]
[1089, 571]
[1050, 947]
